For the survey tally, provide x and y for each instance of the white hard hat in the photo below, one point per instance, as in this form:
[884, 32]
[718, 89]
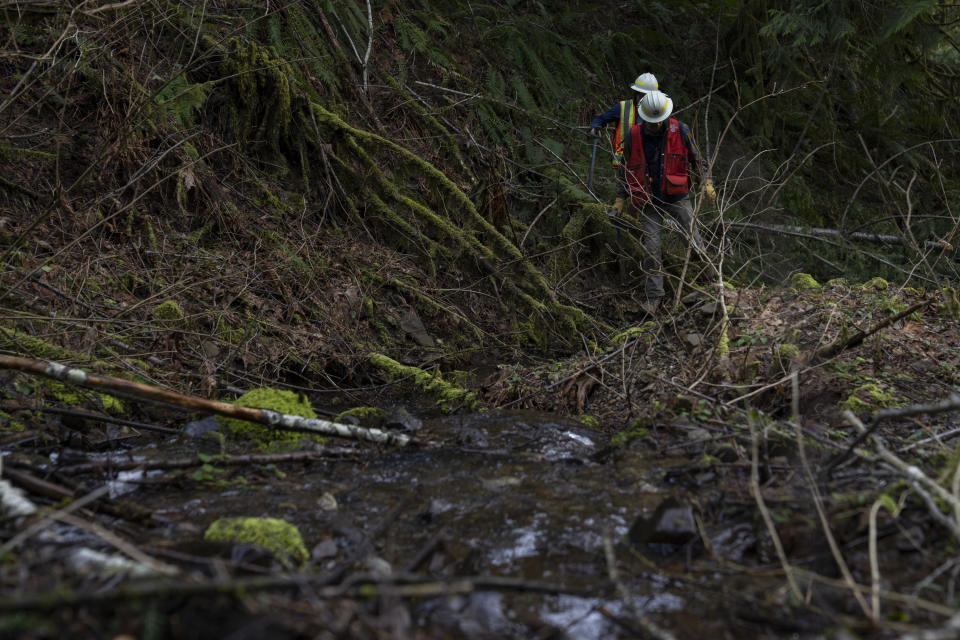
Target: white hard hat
[655, 107]
[645, 83]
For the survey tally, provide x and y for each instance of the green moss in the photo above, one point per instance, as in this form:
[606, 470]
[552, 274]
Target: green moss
[473, 234]
[226, 331]
[26, 344]
[878, 284]
[783, 356]
[787, 351]
[869, 397]
[448, 396]
[277, 536]
[647, 331]
[259, 95]
[371, 414]
[951, 302]
[461, 378]
[803, 282]
[70, 395]
[531, 331]
[278, 400]
[7, 423]
[588, 421]
[370, 313]
[637, 429]
[169, 314]
[723, 341]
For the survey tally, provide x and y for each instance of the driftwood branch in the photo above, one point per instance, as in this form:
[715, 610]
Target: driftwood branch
[817, 232]
[272, 419]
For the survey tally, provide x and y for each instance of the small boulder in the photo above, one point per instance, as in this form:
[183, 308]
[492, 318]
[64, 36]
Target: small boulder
[410, 322]
[672, 523]
[400, 418]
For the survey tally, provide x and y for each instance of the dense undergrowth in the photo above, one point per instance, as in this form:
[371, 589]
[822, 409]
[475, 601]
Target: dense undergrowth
[329, 169]
[364, 206]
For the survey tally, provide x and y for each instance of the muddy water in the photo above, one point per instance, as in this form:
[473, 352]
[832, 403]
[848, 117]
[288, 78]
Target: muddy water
[522, 495]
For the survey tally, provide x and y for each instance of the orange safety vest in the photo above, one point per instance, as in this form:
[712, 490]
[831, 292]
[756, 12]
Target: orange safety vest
[627, 116]
[675, 172]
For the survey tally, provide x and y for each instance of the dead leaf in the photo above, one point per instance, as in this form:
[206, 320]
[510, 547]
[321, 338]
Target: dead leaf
[188, 178]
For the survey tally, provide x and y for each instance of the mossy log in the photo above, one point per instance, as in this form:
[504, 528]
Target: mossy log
[448, 396]
[460, 223]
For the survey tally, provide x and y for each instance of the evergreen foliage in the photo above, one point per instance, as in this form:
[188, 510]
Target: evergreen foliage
[462, 130]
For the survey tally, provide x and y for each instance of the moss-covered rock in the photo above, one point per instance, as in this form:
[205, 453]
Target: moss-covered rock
[784, 355]
[870, 397]
[278, 400]
[877, 284]
[804, 282]
[279, 537]
[169, 314]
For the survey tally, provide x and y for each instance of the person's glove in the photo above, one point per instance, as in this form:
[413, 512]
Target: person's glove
[709, 191]
[617, 209]
[594, 132]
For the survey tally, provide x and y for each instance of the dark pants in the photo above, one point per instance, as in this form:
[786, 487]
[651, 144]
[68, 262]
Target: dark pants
[651, 220]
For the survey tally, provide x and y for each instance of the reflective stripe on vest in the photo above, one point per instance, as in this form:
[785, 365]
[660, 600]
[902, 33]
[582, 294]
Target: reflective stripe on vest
[624, 124]
[675, 173]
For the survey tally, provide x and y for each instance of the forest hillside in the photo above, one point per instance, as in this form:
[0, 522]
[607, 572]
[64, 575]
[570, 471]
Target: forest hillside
[392, 213]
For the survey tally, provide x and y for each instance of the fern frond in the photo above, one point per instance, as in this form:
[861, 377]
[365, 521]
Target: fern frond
[903, 16]
[183, 100]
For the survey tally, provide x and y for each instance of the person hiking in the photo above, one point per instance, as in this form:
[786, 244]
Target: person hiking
[624, 114]
[659, 156]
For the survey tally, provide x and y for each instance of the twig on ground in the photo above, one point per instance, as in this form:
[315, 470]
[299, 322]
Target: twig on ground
[765, 513]
[118, 543]
[42, 524]
[81, 558]
[894, 596]
[827, 531]
[912, 474]
[842, 344]
[952, 403]
[89, 415]
[874, 559]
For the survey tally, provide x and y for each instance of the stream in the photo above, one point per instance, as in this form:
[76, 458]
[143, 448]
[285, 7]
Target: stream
[522, 495]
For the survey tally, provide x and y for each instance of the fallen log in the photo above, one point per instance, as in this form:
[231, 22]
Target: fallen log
[272, 419]
[818, 232]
